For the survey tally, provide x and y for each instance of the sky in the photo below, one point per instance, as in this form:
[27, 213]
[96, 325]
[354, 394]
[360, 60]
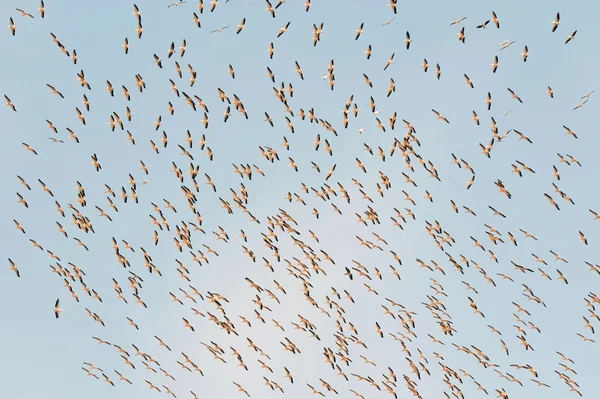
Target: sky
[43, 356]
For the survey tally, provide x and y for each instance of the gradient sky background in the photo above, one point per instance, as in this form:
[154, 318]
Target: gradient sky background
[42, 356]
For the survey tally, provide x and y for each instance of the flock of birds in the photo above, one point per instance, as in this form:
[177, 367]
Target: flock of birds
[329, 287]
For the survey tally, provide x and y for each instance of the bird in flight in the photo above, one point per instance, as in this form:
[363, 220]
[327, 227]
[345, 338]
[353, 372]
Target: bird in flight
[57, 308]
[220, 29]
[213, 199]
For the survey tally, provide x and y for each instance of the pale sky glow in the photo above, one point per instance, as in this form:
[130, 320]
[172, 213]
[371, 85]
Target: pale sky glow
[336, 340]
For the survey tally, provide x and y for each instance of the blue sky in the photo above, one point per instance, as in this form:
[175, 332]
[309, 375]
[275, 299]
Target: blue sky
[37, 347]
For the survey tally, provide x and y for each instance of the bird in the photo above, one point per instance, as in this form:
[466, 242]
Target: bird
[440, 116]
[407, 40]
[54, 91]
[556, 22]
[25, 13]
[359, 31]
[388, 21]
[219, 30]
[241, 26]
[42, 9]
[241, 389]
[571, 37]
[489, 101]
[9, 103]
[57, 308]
[514, 95]
[458, 21]
[495, 64]
[525, 54]
[495, 20]
[283, 29]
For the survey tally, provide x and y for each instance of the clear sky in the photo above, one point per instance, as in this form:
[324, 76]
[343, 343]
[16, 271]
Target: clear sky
[42, 356]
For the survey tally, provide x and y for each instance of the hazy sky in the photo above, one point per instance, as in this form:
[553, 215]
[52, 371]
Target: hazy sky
[42, 356]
